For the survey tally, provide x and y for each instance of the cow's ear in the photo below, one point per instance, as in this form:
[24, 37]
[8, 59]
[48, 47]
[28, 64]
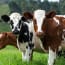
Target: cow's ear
[51, 14]
[6, 18]
[23, 19]
[28, 15]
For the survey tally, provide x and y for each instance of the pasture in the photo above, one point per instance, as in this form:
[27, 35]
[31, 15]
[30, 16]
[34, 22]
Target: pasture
[12, 56]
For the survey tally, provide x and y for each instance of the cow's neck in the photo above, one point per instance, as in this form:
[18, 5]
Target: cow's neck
[43, 40]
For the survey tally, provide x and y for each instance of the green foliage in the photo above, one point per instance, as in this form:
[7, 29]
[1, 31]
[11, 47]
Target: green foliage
[55, 6]
[62, 7]
[14, 7]
[45, 5]
[31, 5]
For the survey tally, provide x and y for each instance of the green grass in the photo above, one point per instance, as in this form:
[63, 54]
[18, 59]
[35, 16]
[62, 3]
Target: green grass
[9, 57]
[60, 61]
[12, 56]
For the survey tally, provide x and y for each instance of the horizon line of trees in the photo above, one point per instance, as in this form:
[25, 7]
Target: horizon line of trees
[31, 5]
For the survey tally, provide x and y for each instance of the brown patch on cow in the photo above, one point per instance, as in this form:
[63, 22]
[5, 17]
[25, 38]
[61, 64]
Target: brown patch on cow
[7, 38]
[28, 15]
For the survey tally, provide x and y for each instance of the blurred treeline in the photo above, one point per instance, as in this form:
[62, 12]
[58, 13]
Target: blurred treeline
[31, 5]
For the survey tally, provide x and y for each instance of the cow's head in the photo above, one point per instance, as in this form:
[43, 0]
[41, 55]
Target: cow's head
[15, 20]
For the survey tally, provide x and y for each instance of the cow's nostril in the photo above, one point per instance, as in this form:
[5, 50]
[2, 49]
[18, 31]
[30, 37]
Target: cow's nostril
[15, 32]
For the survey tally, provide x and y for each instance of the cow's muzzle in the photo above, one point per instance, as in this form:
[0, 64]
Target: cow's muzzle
[40, 34]
[16, 32]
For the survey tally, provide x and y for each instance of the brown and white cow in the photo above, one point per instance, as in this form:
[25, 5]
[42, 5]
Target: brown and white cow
[48, 33]
[7, 38]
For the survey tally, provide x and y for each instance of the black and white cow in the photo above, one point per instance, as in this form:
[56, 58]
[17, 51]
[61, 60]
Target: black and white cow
[22, 28]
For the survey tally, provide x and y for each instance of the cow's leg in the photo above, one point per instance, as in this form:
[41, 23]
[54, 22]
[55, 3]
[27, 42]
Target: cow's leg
[52, 57]
[26, 51]
[18, 44]
[26, 56]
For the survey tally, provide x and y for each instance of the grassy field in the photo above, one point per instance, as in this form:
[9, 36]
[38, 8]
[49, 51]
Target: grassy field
[11, 56]
[8, 56]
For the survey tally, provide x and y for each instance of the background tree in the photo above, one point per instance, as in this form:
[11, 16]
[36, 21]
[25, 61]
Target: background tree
[45, 5]
[55, 6]
[62, 6]
[31, 5]
[14, 7]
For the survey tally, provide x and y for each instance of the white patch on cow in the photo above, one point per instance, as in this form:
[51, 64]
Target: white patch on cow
[25, 33]
[27, 54]
[57, 21]
[52, 57]
[1, 35]
[15, 17]
[61, 15]
[60, 47]
[30, 26]
[39, 15]
[18, 44]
